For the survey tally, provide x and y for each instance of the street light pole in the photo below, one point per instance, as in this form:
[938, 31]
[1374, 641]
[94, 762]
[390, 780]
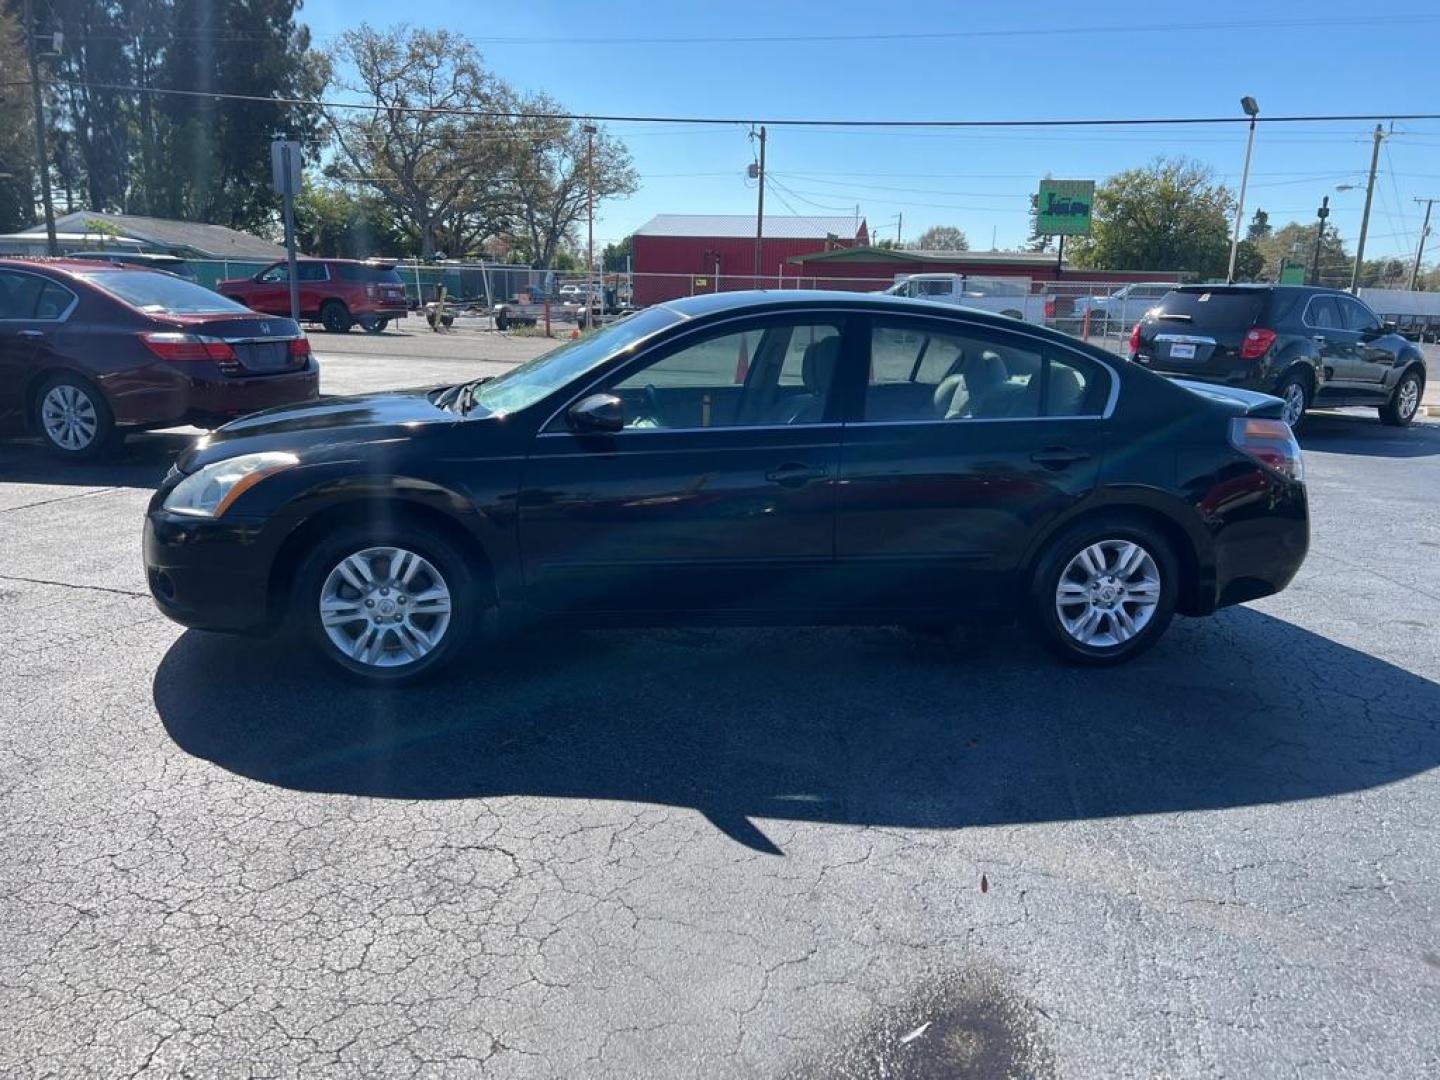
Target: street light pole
[1365, 218]
[42, 157]
[1252, 110]
[1420, 247]
[759, 210]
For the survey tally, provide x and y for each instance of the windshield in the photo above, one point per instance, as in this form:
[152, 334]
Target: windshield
[524, 385]
[162, 294]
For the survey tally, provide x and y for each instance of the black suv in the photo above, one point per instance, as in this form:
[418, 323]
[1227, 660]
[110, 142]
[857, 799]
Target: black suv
[1314, 348]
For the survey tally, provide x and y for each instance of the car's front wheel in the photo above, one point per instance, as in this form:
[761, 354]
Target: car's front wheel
[1404, 401]
[73, 419]
[387, 606]
[1104, 591]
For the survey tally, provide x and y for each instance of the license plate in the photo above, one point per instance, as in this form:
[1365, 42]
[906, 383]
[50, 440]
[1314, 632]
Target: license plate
[1182, 351]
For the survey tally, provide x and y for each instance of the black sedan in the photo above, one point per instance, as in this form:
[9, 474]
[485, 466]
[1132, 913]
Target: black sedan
[789, 457]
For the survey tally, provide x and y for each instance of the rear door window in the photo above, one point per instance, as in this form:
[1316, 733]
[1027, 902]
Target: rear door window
[1323, 314]
[19, 294]
[1208, 311]
[162, 294]
[372, 275]
[311, 272]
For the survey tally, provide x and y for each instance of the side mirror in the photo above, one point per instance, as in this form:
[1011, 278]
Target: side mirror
[597, 413]
[1389, 326]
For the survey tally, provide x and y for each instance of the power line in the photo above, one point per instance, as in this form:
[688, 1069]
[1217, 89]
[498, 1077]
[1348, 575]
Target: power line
[817, 122]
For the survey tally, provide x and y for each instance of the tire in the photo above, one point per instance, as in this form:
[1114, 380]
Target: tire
[385, 643]
[502, 321]
[1118, 632]
[1404, 401]
[1294, 390]
[374, 326]
[335, 317]
[447, 321]
[73, 419]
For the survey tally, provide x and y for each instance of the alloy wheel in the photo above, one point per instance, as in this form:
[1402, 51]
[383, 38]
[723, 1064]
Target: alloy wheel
[1294, 398]
[1108, 593]
[69, 417]
[385, 607]
[1407, 400]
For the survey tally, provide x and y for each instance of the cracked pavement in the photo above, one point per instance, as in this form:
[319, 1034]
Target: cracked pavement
[727, 853]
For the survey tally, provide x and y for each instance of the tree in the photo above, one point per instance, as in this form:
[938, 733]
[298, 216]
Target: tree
[942, 238]
[1249, 261]
[1294, 244]
[1259, 227]
[435, 149]
[554, 180]
[1036, 241]
[1169, 215]
[175, 155]
[17, 140]
[616, 257]
[331, 221]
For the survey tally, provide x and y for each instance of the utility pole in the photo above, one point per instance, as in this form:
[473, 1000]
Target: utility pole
[42, 158]
[899, 224]
[1320, 215]
[590, 216]
[1420, 247]
[760, 207]
[1365, 218]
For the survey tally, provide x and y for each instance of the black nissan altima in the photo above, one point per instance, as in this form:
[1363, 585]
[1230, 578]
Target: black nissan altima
[781, 457]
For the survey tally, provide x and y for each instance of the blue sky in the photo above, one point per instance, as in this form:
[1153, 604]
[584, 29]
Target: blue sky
[1321, 57]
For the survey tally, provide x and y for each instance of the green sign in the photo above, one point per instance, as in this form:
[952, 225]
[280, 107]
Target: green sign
[1292, 274]
[1063, 207]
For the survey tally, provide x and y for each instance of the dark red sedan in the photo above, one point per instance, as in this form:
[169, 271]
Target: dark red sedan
[90, 351]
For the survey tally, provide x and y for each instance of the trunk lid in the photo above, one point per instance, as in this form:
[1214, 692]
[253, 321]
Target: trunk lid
[1241, 402]
[1199, 329]
[261, 343]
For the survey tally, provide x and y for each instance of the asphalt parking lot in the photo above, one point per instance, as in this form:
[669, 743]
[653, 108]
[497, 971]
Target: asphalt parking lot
[733, 853]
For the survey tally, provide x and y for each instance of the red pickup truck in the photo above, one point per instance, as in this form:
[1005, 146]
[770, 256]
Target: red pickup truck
[337, 293]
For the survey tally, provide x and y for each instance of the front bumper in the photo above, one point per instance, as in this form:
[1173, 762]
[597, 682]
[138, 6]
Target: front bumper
[206, 573]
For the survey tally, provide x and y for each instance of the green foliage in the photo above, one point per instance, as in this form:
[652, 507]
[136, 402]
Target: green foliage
[1259, 227]
[1249, 261]
[193, 158]
[1169, 215]
[614, 256]
[1295, 243]
[17, 146]
[334, 222]
[942, 238]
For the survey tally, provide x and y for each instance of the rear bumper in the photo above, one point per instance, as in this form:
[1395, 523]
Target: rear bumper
[1261, 528]
[206, 398]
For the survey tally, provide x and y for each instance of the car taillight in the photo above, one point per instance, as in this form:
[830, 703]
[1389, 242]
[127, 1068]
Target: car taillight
[1049, 307]
[1135, 339]
[173, 345]
[299, 348]
[1270, 442]
[1258, 340]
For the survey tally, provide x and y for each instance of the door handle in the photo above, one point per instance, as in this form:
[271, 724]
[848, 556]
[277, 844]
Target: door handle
[1058, 457]
[795, 473]
[32, 335]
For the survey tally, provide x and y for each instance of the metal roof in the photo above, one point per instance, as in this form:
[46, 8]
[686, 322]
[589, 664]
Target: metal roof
[193, 238]
[739, 226]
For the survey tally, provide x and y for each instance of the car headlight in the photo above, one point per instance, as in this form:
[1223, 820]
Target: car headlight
[208, 492]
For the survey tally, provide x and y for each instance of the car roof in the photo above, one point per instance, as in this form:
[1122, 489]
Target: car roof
[704, 305]
[1261, 287]
[65, 265]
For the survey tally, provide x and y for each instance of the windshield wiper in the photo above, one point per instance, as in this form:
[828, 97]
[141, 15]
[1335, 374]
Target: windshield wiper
[460, 398]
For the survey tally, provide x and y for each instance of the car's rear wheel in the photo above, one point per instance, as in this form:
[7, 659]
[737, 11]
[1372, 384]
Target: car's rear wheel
[375, 326]
[335, 317]
[1104, 591]
[388, 605]
[1294, 391]
[1404, 401]
[502, 321]
[73, 419]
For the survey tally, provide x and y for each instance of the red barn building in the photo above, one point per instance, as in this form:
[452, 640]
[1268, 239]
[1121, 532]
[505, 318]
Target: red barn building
[680, 254]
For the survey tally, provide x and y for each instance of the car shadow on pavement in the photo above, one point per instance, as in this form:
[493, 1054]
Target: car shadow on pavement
[1366, 436]
[867, 727]
[141, 463]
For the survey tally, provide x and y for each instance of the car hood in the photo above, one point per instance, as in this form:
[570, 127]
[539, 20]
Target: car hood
[329, 423]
